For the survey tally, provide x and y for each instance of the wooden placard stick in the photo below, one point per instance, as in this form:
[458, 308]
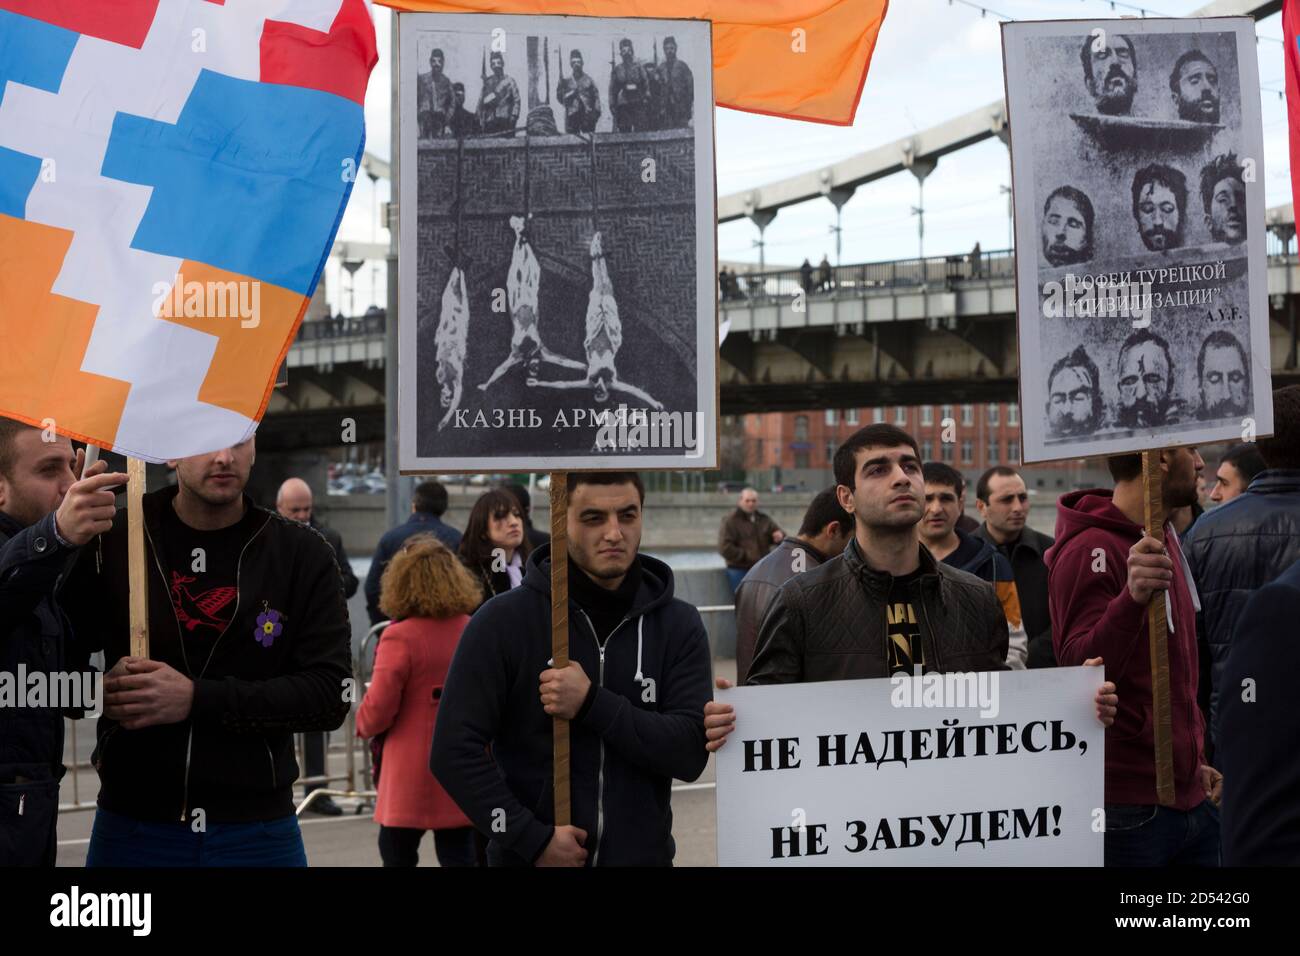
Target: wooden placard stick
[137, 569]
[1162, 716]
[560, 634]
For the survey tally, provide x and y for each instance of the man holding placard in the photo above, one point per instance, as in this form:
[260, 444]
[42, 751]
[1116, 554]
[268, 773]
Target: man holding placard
[885, 605]
[1102, 573]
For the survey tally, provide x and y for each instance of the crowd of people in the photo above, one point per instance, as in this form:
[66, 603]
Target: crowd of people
[250, 644]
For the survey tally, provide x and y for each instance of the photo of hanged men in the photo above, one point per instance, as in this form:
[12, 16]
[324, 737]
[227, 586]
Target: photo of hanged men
[1067, 227]
[1110, 73]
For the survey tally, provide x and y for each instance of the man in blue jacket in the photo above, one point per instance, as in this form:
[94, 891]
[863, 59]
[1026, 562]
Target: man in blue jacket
[428, 505]
[1247, 542]
[635, 689]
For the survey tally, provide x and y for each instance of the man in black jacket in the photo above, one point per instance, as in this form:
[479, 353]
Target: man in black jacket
[637, 680]
[1259, 730]
[1003, 502]
[294, 501]
[428, 505]
[825, 531]
[248, 644]
[48, 509]
[885, 606]
[1244, 544]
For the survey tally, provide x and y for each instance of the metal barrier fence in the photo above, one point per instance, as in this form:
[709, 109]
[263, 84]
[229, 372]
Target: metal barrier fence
[357, 770]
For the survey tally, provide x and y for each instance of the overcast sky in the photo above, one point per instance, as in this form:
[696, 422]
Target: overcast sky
[934, 60]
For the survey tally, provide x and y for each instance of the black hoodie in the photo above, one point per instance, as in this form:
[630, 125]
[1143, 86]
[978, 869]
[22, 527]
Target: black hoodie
[643, 727]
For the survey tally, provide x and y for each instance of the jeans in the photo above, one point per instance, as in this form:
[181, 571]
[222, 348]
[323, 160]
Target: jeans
[400, 846]
[121, 841]
[1148, 835]
[734, 577]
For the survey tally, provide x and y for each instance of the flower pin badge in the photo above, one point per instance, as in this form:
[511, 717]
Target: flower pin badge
[269, 625]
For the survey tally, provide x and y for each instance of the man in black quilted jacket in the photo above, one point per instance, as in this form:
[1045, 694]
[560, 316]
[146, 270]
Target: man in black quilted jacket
[885, 606]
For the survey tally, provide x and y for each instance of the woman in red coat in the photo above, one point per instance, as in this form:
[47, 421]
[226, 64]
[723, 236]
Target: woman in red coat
[428, 594]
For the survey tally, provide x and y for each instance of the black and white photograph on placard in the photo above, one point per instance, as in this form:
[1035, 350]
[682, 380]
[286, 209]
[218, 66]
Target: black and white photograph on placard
[557, 280]
[1137, 169]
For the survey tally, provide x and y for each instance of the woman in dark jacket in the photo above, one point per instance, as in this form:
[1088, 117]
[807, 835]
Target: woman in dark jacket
[494, 546]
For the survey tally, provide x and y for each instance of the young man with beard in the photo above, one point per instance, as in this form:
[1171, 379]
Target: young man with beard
[1074, 404]
[1194, 88]
[1102, 573]
[637, 680]
[1146, 383]
[48, 509]
[885, 605]
[953, 546]
[1160, 206]
[1067, 227]
[249, 642]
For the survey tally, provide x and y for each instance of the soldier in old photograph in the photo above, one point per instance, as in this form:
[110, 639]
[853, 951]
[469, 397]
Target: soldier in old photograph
[1110, 73]
[1224, 376]
[434, 97]
[1160, 206]
[1223, 193]
[677, 89]
[1067, 227]
[629, 92]
[579, 97]
[1194, 86]
[498, 104]
[462, 123]
[1074, 405]
[1146, 382]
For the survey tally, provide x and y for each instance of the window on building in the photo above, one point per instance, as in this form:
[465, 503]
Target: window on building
[851, 416]
[927, 414]
[801, 459]
[830, 452]
[1013, 452]
[927, 449]
[830, 416]
[967, 451]
[878, 415]
[900, 415]
[1013, 413]
[945, 452]
[994, 409]
[758, 450]
[801, 428]
[995, 453]
[968, 414]
[945, 413]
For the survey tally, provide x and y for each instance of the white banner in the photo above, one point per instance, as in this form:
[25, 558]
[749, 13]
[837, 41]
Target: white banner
[987, 769]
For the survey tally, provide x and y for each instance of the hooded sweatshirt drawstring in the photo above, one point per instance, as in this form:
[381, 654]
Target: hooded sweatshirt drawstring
[639, 622]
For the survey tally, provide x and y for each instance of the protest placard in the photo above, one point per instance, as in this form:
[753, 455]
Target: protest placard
[1142, 294]
[974, 769]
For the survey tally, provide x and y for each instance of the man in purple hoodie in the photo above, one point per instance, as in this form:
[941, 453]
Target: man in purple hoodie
[1102, 573]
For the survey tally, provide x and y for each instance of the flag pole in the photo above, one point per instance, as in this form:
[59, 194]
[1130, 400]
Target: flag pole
[1162, 715]
[137, 570]
[560, 634]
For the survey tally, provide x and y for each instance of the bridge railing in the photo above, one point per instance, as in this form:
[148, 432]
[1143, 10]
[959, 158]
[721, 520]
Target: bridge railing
[341, 327]
[866, 277]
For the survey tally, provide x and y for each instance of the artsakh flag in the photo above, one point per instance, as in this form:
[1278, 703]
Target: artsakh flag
[801, 59]
[172, 174]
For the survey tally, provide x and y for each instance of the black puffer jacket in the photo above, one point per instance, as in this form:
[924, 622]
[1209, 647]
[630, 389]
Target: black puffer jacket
[34, 636]
[1234, 551]
[829, 623]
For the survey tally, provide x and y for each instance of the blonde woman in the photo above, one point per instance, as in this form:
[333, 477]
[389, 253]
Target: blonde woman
[428, 594]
